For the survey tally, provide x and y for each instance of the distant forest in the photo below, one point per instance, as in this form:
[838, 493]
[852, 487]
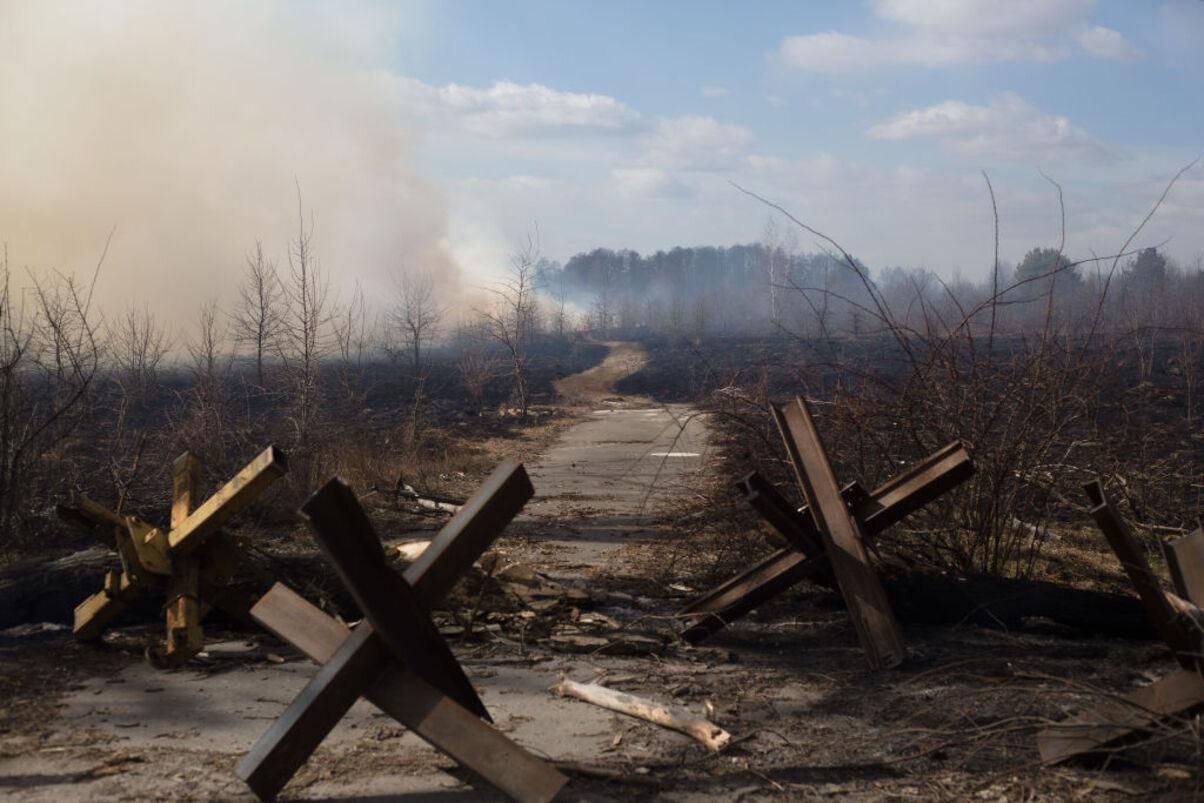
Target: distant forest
[704, 288]
[764, 287]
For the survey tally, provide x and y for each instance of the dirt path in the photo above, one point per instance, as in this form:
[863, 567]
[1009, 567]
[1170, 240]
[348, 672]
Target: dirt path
[602, 483]
[133, 731]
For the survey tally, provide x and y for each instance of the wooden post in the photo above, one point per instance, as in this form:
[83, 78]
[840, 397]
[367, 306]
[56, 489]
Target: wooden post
[184, 635]
[844, 541]
[1179, 693]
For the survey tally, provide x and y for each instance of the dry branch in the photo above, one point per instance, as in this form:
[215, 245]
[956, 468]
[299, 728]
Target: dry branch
[706, 733]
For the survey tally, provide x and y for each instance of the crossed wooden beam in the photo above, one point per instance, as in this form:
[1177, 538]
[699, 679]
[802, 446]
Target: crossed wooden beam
[191, 561]
[827, 538]
[1180, 692]
[396, 658]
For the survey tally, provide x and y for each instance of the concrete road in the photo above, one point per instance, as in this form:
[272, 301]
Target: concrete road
[597, 489]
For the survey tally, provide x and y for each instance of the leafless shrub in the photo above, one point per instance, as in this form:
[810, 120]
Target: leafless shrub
[1022, 391]
[475, 364]
[50, 357]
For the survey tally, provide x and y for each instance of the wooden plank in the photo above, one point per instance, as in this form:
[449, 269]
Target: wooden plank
[93, 615]
[929, 479]
[1177, 694]
[470, 532]
[269, 466]
[183, 610]
[1185, 559]
[91, 517]
[416, 704]
[869, 609]
[1178, 635]
[795, 526]
[288, 744]
[754, 588]
[348, 539]
[185, 487]
[887, 505]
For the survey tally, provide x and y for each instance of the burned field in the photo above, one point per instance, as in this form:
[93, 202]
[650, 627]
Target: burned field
[639, 616]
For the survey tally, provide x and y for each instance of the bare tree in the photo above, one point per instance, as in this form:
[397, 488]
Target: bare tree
[50, 357]
[351, 337]
[206, 404]
[416, 315]
[512, 318]
[259, 316]
[304, 328]
[139, 344]
[210, 358]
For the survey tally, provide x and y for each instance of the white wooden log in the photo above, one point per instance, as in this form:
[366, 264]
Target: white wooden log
[706, 733]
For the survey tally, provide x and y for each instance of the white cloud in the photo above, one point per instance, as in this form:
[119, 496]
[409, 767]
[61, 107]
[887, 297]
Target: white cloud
[694, 143]
[1107, 44]
[1007, 128]
[506, 109]
[830, 52]
[985, 17]
[715, 91]
[833, 52]
[647, 182]
[944, 33]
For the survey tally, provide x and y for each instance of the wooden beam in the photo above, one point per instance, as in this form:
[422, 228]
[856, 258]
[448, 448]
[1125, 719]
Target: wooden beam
[932, 477]
[470, 532]
[1177, 694]
[1185, 559]
[748, 591]
[238, 493]
[418, 705]
[796, 526]
[869, 609]
[887, 505]
[282, 750]
[348, 539]
[93, 615]
[183, 612]
[288, 744]
[1181, 638]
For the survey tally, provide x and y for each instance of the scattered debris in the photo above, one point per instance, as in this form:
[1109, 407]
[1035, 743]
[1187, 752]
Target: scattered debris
[1177, 618]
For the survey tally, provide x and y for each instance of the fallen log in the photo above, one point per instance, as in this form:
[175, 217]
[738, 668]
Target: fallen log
[705, 732]
[939, 599]
[41, 590]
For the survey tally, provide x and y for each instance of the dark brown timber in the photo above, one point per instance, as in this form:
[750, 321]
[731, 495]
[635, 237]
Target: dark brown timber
[413, 702]
[398, 636]
[887, 505]
[844, 541]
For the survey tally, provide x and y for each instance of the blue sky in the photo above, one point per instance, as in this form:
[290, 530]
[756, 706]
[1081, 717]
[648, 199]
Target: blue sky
[435, 135]
[620, 124]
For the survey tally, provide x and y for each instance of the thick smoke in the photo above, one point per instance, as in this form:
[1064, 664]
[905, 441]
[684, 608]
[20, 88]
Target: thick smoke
[188, 127]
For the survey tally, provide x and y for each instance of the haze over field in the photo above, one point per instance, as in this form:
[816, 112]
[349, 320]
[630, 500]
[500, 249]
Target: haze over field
[435, 135]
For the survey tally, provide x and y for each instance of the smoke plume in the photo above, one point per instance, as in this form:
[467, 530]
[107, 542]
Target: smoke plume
[187, 127]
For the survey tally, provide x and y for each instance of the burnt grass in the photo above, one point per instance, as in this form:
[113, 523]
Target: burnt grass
[969, 700]
[375, 423]
[957, 721]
